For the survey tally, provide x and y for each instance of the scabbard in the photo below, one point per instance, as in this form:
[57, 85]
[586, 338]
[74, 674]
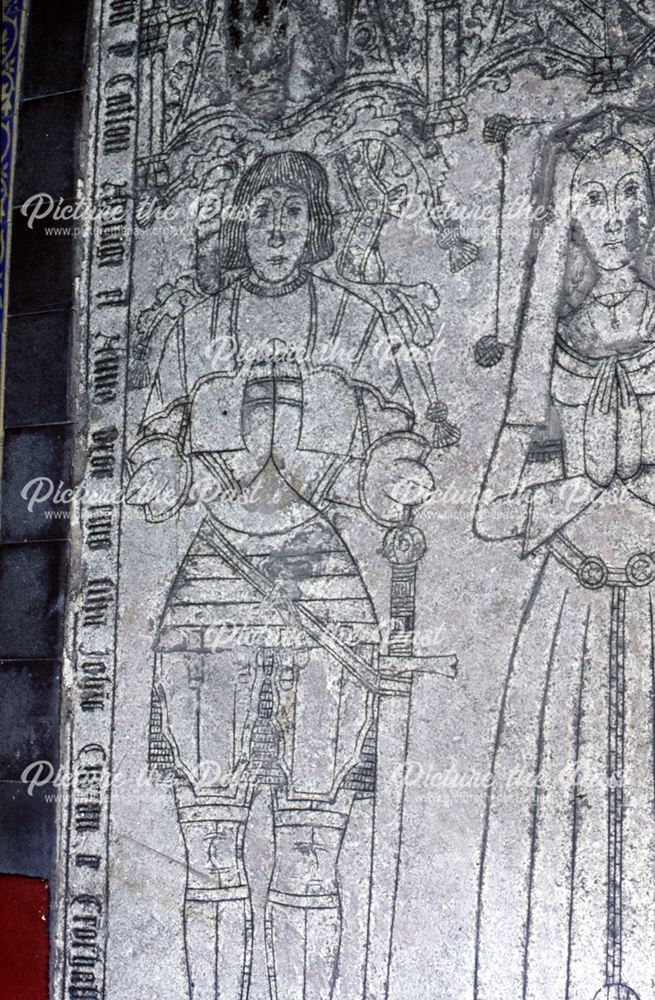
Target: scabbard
[394, 708]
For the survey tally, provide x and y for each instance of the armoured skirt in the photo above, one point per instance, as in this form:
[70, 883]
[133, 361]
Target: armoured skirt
[243, 696]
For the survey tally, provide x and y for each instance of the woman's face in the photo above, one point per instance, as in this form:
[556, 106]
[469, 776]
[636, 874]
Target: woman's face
[276, 231]
[612, 203]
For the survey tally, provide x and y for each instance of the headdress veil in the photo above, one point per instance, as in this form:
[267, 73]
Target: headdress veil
[540, 304]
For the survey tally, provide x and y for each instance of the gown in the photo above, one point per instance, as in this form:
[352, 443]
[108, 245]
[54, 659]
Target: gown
[266, 652]
[567, 889]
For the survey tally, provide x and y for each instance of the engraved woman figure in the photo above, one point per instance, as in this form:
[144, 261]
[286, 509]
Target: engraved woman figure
[266, 654]
[567, 895]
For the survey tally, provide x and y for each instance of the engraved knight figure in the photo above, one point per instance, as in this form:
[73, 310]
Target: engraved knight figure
[567, 896]
[284, 389]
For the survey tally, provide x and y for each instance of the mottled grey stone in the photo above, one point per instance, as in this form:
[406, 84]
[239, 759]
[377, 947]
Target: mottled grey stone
[360, 702]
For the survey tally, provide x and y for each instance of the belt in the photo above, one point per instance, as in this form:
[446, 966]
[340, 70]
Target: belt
[593, 573]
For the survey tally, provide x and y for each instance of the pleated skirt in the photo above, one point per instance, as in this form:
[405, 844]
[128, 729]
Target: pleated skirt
[567, 881]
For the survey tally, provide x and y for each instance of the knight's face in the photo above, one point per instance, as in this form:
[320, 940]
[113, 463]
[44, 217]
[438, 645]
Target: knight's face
[612, 205]
[276, 231]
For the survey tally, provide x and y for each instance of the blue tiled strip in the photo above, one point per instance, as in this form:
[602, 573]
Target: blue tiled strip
[14, 18]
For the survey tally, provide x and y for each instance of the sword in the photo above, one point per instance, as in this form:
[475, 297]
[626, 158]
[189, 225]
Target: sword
[404, 547]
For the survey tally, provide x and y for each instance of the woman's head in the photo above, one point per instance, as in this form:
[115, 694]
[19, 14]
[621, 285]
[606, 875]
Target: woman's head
[611, 204]
[280, 217]
[595, 201]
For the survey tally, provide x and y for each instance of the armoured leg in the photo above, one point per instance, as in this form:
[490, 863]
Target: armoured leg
[303, 911]
[217, 908]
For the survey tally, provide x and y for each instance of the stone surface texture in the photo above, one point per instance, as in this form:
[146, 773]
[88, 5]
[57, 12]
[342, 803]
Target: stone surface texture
[359, 677]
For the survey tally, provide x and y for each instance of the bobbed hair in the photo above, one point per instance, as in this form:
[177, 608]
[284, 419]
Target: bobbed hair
[293, 169]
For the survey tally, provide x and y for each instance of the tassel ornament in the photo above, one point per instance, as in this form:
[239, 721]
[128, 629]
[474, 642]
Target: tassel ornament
[446, 434]
[461, 252]
[488, 351]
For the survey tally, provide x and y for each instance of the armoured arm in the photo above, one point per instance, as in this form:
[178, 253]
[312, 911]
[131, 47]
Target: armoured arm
[160, 472]
[385, 471]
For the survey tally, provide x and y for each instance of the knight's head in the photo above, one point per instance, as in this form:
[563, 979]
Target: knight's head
[280, 218]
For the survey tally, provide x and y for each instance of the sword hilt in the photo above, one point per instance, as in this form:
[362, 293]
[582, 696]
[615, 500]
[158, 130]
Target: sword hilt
[404, 546]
